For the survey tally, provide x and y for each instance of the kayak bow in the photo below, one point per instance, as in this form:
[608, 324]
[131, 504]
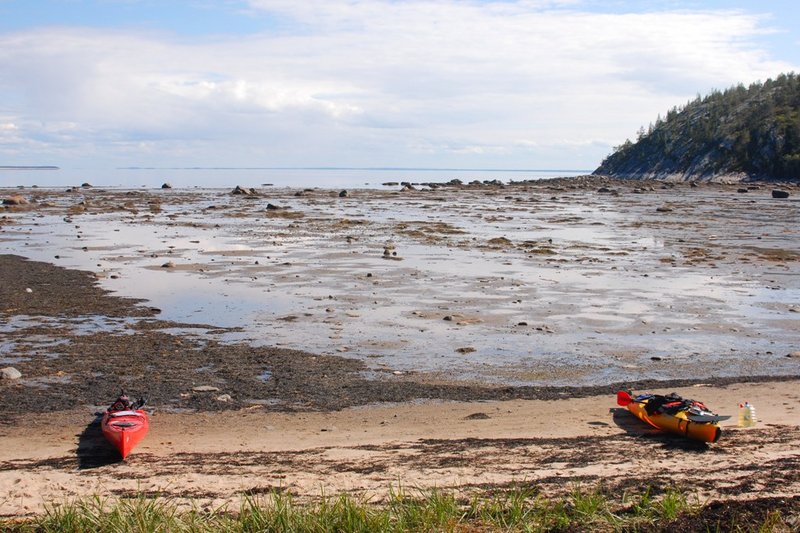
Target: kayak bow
[123, 426]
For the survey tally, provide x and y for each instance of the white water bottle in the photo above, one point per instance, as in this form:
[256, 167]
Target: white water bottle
[747, 415]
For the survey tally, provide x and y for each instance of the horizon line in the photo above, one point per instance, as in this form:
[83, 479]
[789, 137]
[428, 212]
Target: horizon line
[451, 169]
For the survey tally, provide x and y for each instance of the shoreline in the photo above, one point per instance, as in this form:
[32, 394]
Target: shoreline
[215, 459]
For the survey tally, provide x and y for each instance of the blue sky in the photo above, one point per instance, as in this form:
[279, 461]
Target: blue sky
[372, 83]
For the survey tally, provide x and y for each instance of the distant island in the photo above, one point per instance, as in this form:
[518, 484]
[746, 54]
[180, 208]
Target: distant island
[742, 133]
[43, 167]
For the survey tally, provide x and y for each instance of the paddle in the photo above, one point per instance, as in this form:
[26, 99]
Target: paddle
[624, 399]
[707, 418]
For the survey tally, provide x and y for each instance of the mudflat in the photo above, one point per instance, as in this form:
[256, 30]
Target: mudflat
[460, 336]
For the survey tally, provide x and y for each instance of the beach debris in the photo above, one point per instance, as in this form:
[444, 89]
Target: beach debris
[389, 252]
[15, 200]
[777, 193]
[9, 373]
[205, 388]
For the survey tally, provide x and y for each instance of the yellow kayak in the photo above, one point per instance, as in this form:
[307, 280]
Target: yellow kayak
[688, 418]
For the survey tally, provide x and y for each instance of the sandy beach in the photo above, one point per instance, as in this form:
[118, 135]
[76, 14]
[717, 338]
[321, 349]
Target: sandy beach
[215, 459]
[451, 337]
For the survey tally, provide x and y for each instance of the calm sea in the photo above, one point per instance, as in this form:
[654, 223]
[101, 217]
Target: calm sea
[259, 177]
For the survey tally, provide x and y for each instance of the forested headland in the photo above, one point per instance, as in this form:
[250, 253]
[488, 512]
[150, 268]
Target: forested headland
[747, 133]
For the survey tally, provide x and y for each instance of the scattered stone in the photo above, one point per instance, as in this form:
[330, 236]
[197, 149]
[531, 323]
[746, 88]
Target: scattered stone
[741, 191]
[655, 358]
[9, 373]
[523, 323]
[205, 388]
[663, 209]
[777, 193]
[168, 264]
[448, 318]
[28, 290]
[343, 194]
[86, 185]
[793, 355]
[477, 416]
[166, 186]
[273, 207]
[225, 398]
[465, 349]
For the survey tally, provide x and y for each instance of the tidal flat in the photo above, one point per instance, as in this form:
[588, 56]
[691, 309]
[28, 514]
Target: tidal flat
[577, 282]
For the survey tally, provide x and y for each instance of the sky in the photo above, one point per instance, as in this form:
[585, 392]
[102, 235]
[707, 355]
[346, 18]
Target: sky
[510, 84]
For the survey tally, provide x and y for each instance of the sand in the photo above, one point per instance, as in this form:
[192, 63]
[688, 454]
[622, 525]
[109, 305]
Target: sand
[214, 459]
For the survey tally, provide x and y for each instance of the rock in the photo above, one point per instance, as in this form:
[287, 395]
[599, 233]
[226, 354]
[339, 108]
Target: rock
[448, 318]
[225, 398]
[15, 200]
[663, 209]
[166, 186]
[777, 193]
[465, 349]
[477, 416]
[244, 191]
[793, 355]
[344, 194]
[86, 185]
[740, 191]
[205, 388]
[273, 207]
[168, 264]
[9, 373]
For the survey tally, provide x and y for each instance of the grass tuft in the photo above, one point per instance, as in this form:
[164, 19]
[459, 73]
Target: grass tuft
[515, 509]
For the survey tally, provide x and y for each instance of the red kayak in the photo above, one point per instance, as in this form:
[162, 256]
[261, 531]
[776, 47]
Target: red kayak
[124, 424]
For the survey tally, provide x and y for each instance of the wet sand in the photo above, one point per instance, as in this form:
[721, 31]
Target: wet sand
[483, 353]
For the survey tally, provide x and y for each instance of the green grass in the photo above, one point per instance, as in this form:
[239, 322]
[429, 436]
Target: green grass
[518, 509]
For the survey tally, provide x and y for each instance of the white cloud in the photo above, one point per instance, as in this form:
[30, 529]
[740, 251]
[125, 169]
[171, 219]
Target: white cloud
[376, 82]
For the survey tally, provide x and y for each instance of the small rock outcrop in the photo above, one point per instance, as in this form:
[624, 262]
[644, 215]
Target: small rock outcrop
[15, 200]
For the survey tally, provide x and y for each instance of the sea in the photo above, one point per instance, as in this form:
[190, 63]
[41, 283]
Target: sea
[220, 177]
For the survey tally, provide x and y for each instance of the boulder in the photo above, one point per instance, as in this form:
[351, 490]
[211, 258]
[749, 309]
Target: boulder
[166, 186]
[343, 194]
[777, 193]
[9, 373]
[15, 200]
